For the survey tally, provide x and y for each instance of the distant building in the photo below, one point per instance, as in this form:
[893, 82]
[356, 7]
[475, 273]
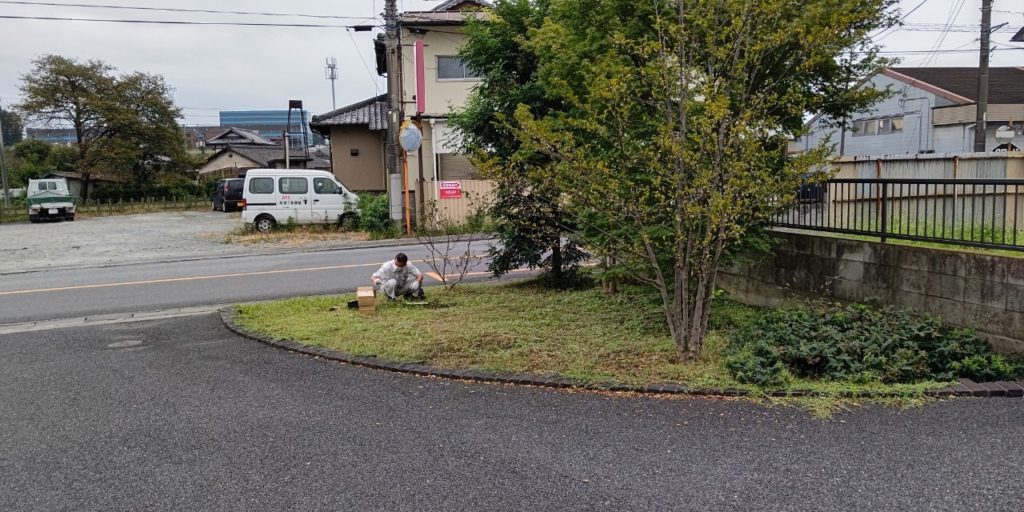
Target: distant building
[931, 110]
[271, 124]
[234, 160]
[52, 135]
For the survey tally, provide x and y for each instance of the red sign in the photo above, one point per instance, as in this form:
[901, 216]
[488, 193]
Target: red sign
[451, 190]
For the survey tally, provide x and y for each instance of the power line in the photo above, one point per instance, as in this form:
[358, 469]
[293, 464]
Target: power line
[179, 22]
[892, 29]
[176, 9]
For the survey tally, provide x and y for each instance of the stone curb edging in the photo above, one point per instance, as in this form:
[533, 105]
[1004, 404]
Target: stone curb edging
[965, 388]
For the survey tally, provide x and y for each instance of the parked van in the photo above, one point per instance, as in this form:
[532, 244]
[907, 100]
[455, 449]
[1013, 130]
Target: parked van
[227, 195]
[273, 196]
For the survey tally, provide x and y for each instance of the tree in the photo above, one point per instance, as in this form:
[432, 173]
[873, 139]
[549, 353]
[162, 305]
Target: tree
[670, 142]
[529, 222]
[12, 126]
[33, 159]
[124, 125]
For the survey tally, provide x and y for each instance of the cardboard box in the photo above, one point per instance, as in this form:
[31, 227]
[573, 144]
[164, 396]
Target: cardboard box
[366, 296]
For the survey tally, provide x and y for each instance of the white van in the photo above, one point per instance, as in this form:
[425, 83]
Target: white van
[273, 196]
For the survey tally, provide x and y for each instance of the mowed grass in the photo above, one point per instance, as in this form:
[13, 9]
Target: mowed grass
[522, 328]
[514, 327]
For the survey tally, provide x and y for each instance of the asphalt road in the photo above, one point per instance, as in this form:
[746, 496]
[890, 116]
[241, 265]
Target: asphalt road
[81, 292]
[182, 415]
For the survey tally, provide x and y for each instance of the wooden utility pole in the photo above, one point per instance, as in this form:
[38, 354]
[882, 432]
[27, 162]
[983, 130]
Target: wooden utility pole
[980, 129]
[391, 155]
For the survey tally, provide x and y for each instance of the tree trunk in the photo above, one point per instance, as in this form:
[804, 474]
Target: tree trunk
[86, 181]
[556, 262]
[611, 284]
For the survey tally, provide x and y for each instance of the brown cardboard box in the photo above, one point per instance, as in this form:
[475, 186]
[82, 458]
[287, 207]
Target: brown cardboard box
[367, 298]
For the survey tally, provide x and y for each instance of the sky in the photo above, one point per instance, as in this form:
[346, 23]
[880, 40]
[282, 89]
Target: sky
[216, 68]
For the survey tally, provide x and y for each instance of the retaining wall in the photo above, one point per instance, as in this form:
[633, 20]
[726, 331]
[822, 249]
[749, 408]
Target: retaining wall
[976, 290]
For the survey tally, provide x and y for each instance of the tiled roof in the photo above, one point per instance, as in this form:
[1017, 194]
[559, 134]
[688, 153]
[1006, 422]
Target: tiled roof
[237, 135]
[451, 12]
[372, 112]
[1005, 84]
[439, 18]
[264, 155]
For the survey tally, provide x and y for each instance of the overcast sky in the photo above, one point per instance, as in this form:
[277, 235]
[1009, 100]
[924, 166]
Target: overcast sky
[240, 68]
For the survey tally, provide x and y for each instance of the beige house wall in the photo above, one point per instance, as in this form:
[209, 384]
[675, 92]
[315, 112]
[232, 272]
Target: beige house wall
[441, 94]
[228, 160]
[364, 171]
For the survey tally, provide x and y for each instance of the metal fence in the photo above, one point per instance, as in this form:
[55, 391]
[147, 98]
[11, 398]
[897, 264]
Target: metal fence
[971, 212]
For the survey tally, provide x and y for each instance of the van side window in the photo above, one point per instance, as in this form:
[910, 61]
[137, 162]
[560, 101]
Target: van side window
[261, 186]
[293, 185]
[325, 186]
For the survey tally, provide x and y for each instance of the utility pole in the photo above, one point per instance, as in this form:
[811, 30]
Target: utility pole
[980, 129]
[331, 73]
[391, 162]
[3, 160]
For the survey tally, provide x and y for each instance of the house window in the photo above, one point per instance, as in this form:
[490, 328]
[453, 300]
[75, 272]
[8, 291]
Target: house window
[878, 126]
[452, 68]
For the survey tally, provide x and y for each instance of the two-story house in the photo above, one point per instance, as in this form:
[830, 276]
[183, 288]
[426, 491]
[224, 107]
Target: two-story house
[931, 110]
[430, 42]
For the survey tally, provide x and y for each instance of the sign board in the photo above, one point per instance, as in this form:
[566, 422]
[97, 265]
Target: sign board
[451, 190]
[1003, 148]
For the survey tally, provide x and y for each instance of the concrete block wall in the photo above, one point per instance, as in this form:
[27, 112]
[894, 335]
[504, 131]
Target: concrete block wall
[976, 290]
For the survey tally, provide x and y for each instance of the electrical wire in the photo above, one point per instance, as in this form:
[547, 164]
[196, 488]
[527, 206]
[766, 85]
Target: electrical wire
[373, 77]
[179, 22]
[891, 30]
[945, 33]
[177, 9]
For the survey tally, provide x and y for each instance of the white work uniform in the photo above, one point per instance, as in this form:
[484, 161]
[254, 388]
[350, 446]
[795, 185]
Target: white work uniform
[395, 280]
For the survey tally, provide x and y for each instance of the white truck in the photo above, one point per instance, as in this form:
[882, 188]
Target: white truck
[49, 199]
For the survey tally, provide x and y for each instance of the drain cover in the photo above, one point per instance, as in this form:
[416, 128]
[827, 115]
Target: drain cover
[125, 344]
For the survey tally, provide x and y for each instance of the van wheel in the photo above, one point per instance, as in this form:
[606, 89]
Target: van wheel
[264, 223]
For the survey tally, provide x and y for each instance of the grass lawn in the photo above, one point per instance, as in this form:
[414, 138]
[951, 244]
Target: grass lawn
[522, 328]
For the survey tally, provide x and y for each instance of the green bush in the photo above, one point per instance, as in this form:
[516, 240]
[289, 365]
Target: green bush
[859, 343]
[375, 216]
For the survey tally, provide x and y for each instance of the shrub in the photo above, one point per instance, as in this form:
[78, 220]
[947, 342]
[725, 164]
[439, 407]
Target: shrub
[859, 343]
[375, 216]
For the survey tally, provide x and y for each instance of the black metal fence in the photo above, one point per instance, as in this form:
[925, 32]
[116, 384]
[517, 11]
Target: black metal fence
[971, 212]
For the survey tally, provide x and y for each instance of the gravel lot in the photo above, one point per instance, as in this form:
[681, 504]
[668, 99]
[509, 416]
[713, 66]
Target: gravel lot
[118, 239]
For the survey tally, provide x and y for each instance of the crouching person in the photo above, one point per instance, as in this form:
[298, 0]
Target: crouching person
[399, 278]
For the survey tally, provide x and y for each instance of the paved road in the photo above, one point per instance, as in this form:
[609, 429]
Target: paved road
[195, 418]
[55, 294]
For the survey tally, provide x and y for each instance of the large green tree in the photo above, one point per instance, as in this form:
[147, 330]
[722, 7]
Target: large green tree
[530, 225]
[669, 144]
[124, 126]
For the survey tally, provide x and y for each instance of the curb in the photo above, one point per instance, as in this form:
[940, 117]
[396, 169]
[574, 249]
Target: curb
[228, 315]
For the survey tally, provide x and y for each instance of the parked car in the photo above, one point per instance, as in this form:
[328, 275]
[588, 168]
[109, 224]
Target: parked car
[301, 196]
[227, 195]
